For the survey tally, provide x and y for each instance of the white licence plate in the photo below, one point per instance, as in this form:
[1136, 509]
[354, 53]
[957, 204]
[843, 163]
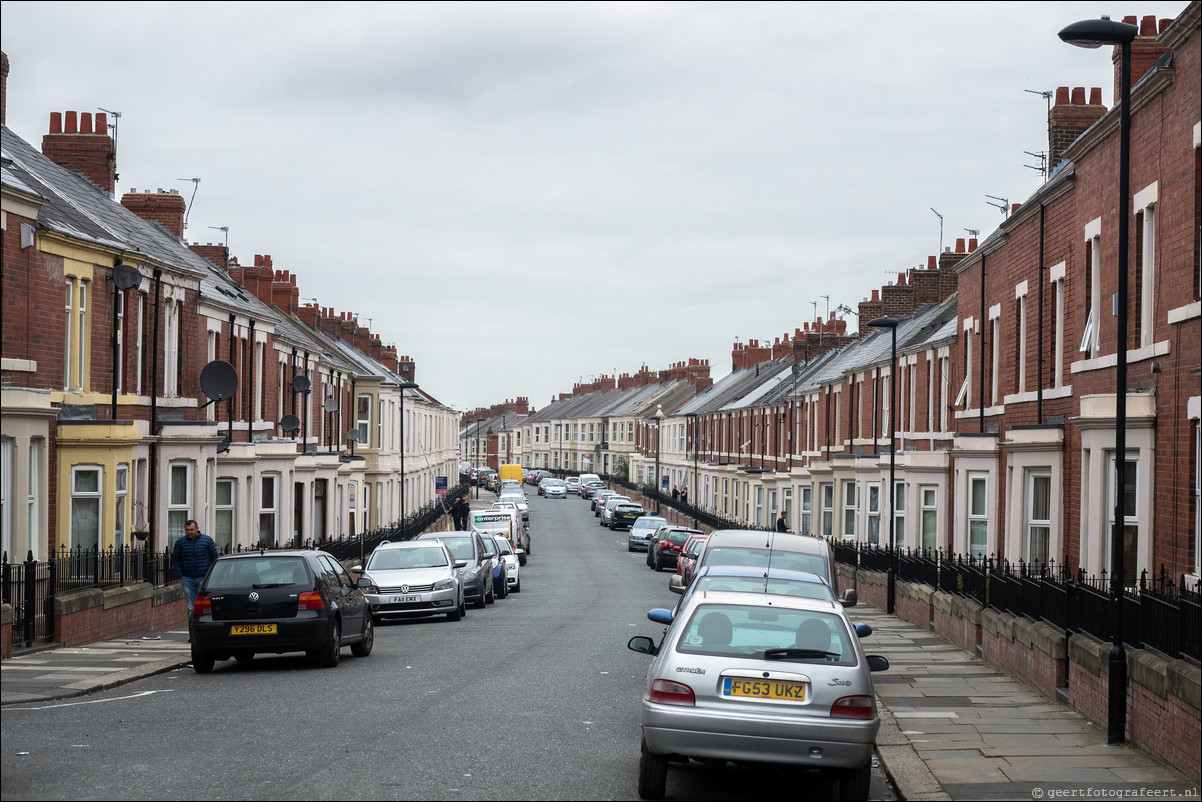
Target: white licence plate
[405, 599]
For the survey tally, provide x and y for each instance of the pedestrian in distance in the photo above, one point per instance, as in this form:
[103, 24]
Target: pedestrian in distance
[190, 559]
[684, 495]
[675, 493]
[781, 524]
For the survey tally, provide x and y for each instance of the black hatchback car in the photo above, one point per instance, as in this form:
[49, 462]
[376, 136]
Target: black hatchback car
[276, 602]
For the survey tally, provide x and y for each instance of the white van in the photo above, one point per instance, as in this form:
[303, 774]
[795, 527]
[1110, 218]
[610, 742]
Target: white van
[585, 478]
[505, 523]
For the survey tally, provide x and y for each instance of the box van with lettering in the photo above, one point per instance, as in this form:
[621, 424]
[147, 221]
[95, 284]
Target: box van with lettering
[505, 523]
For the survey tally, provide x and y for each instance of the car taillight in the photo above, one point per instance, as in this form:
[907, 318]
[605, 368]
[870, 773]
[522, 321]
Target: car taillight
[311, 600]
[667, 692]
[202, 606]
[863, 707]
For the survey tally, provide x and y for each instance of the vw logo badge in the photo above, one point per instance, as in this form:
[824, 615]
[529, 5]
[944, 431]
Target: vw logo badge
[254, 596]
[404, 588]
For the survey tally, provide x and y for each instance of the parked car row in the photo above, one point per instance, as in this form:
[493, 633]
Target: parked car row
[301, 600]
[759, 663]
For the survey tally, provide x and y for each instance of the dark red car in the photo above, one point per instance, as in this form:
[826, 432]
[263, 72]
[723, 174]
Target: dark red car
[665, 547]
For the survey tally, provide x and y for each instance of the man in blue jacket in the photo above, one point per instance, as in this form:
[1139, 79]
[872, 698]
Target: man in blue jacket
[191, 558]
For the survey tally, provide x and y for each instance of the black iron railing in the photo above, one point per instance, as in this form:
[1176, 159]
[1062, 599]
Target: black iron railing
[1157, 613]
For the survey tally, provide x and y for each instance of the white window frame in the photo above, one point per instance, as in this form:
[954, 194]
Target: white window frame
[1032, 524]
[6, 496]
[899, 513]
[1130, 512]
[121, 509]
[1020, 301]
[977, 519]
[807, 502]
[227, 510]
[363, 419]
[928, 517]
[1057, 278]
[851, 507]
[1145, 204]
[269, 512]
[826, 497]
[95, 496]
[872, 535]
[34, 508]
[1091, 337]
[179, 509]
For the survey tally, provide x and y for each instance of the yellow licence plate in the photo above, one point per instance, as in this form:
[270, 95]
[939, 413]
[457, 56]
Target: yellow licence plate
[252, 629]
[764, 689]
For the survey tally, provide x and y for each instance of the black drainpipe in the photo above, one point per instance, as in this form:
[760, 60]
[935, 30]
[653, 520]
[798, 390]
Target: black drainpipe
[1039, 383]
[250, 386]
[154, 417]
[981, 381]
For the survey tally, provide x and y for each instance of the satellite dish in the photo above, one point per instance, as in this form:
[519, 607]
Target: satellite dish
[353, 435]
[301, 384]
[289, 423]
[218, 380]
[126, 277]
[330, 405]
[223, 446]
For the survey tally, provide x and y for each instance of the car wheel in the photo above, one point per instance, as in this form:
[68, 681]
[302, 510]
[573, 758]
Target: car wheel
[653, 774]
[202, 662]
[363, 647]
[479, 605]
[854, 784]
[522, 560]
[503, 590]
[491, 596]
[327, 656]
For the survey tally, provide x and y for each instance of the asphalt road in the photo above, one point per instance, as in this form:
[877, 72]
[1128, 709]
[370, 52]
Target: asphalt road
[533, 697]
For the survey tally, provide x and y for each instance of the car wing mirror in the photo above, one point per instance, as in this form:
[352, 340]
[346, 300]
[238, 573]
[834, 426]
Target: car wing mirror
[461, 563]
[643, 645]
[849, 598]
[364, 583]
[660, 615]
[863, 630]
[877, 662]
[676, 583]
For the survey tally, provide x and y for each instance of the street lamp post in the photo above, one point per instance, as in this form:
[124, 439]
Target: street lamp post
[478, 422]
[405, 385]
[891, 592]
[1093, 34]
[659, 419]
[696, 420]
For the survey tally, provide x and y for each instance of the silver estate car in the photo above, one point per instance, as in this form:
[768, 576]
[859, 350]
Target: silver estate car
[414, 577]
[754, 678]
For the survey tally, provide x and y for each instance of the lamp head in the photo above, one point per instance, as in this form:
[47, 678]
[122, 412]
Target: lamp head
[1093, 33]
[883, 323]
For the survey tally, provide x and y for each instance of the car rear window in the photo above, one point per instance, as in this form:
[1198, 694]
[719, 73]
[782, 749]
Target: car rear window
[461, 547]
[397, 559]
[259, 572]
[678, 537]
[635, 508]
[808, 636]
[759, 558]
[756, 584]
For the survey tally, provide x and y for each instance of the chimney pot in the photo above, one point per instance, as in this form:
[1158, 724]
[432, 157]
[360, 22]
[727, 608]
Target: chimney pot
[1095, 96]
[72, 122]
[1078, 96]
[56, 122]
[1061, 95]
[972, 245]
[931, 263]
[85, 122]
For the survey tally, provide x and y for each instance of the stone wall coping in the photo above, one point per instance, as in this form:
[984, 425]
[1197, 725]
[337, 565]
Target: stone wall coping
[998, 623]
[126, 594]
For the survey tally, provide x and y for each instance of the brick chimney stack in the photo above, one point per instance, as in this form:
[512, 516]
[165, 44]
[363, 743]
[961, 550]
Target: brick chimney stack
[165, 207]
[1145, 49]
[1070, 117]
[76, 143]
[217, 254]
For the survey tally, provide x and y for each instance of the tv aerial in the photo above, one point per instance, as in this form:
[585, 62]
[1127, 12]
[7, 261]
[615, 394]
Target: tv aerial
[1002, 204]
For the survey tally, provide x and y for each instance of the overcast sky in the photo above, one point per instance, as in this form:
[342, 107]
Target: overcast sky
[524, 196]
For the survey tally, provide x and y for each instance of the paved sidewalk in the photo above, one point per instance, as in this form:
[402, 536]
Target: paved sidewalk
[64, 672]
[953, 727]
